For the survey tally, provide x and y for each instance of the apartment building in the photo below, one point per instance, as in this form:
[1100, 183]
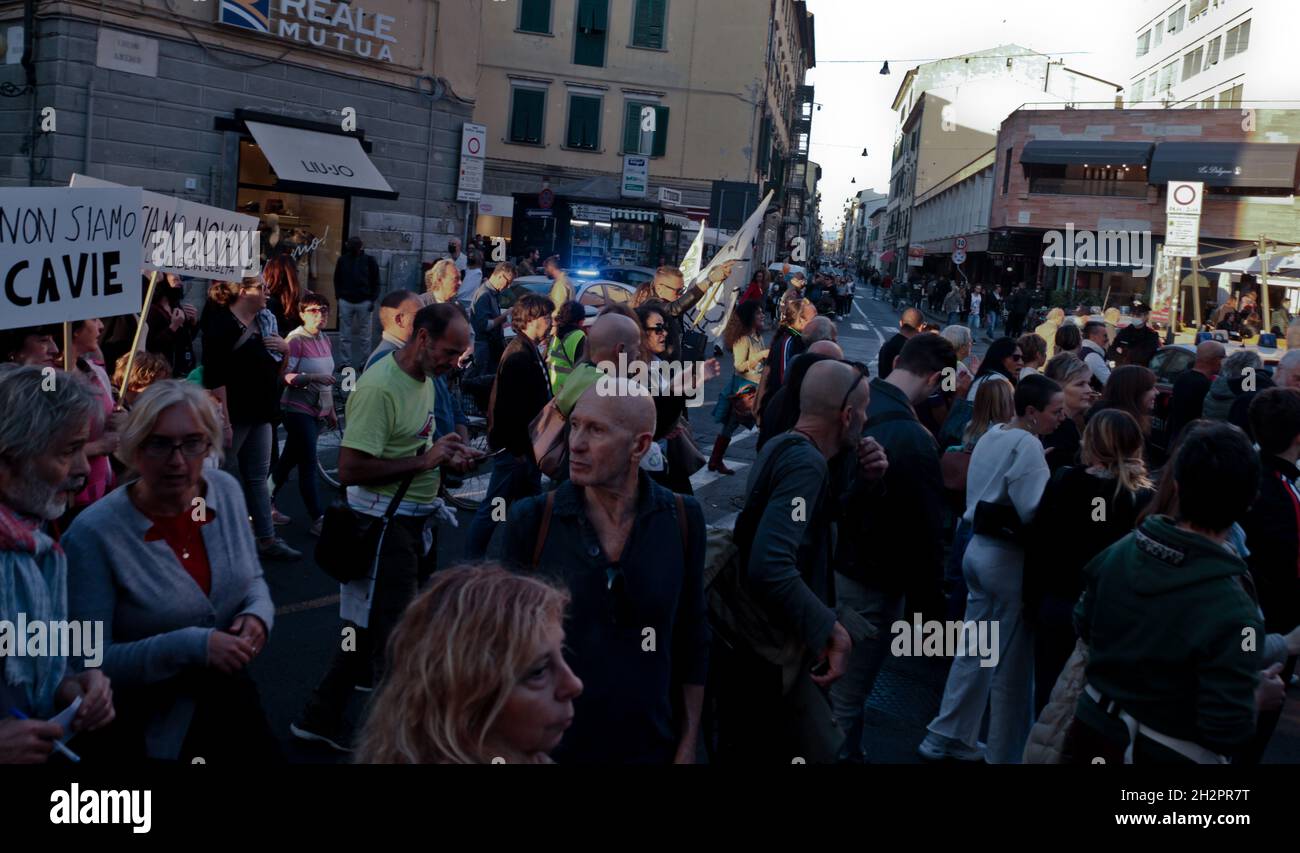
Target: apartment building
[322, 120]
[615, 127]
[948, 114]
[1214, 54]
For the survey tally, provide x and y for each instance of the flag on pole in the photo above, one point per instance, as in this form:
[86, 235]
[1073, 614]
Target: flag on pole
[711, 313]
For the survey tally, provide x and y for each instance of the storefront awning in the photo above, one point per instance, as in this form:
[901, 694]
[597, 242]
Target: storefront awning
[635, 214]
[1061, 152]
[679, 221]
[1262, 165]
[331, 160]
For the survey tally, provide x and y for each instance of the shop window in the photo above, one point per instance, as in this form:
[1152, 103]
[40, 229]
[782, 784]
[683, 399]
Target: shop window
[648, 23]
[1237, 41]
[535, 16]
[527, 110]
[584, 123]
[638, 141]
[308, 229]
[1109, 180]
[589, 38]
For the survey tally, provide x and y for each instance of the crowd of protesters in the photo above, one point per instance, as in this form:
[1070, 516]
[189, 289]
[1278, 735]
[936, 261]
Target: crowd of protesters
[596, 619]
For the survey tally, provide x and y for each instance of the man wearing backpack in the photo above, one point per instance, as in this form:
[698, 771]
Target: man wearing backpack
[771, 712]
[892, 550]
[631, 554]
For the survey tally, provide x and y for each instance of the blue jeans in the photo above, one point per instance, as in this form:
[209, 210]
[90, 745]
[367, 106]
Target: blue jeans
[954, 318]
[512, 478]
[355, 322]
[249, 460]
[300, 450]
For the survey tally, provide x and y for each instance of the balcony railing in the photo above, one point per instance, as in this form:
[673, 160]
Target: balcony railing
[1081, 186]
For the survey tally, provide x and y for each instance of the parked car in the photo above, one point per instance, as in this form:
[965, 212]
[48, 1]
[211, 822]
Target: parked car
[635, 276]
[1171, 360]
[593, 294]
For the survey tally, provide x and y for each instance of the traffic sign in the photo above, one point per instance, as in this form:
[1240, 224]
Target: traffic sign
[546, 198]
[959, 244]
[959, 256]
[1185, 197]
[1182, 234]
[473, 154]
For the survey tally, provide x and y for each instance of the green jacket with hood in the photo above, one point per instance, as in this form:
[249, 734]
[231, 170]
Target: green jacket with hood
[1174, 636]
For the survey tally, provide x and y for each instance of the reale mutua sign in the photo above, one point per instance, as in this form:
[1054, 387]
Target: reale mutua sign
[349, 28]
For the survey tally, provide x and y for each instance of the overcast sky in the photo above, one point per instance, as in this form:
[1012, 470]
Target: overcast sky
[855, 98]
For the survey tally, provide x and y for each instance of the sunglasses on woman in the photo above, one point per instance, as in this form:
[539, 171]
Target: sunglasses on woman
[657, 330]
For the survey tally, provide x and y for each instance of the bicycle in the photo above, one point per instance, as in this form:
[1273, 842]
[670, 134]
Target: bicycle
[328, 444]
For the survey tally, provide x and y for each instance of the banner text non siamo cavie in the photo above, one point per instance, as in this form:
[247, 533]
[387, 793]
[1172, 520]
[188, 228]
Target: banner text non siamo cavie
[68, 254]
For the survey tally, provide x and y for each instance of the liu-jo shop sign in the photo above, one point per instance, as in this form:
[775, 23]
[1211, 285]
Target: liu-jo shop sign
[331, 24]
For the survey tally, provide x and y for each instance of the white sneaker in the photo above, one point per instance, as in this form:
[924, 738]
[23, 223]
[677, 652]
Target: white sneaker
[939, 748]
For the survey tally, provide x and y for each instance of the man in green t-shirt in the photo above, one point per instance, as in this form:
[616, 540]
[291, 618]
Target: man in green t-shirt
[390, 438]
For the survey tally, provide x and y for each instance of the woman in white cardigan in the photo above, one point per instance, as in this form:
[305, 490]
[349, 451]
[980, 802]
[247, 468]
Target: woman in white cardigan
[994, 667]
[168, 563]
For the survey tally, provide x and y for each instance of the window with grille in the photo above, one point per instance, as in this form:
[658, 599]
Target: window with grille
[584, 122]
[589, 35]
[527, 109]
[535, 16]
[637, 140]
[648, 23]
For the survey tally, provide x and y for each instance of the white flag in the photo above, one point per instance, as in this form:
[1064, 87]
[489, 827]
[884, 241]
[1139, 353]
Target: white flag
[691, 263]
[711, 313]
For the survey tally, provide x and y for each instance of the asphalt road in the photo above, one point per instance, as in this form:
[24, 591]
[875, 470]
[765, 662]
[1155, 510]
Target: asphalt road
[906, 695]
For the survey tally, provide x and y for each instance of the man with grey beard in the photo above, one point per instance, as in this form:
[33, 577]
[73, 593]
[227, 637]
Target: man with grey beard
[43, 432]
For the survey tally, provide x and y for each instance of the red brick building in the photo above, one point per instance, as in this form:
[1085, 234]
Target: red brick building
[1108, 170]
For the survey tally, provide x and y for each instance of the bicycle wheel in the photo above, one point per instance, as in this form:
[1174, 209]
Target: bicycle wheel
[327, 452]
[466, 491]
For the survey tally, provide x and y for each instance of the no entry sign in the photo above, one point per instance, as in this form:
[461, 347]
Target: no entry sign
[68, 254]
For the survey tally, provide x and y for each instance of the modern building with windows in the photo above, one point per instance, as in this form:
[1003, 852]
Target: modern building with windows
[1214, 54]
[948, 113]
[1109, 170]
[323, 119]
[616, 127]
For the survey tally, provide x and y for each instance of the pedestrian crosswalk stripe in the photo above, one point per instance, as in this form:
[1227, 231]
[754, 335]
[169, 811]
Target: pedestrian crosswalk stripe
[861, 327]
[704, 476]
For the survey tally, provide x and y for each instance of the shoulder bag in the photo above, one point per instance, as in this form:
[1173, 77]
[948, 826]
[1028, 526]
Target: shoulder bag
[349, 541]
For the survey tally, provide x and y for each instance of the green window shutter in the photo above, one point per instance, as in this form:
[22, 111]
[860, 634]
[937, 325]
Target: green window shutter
[661, 132]
[584, 123]
[632, 128]
[589, 40]
[535, 16]
[526, 117]
[648, 28]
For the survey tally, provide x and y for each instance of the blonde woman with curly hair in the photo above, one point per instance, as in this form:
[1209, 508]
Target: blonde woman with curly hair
[478, 674]
[1085, 509]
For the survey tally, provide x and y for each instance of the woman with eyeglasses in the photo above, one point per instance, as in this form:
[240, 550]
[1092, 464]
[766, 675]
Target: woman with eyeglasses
[307, 401]
[241, 366]
[669, 287]
[168, 564]
[673, 386]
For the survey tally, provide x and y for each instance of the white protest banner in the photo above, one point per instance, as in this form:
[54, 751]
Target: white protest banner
[192, 239]
[68, 254]
[690, 266]
[711, 313]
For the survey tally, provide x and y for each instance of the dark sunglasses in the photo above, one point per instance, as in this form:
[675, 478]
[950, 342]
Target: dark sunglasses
[862, 375]
[657, 330]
